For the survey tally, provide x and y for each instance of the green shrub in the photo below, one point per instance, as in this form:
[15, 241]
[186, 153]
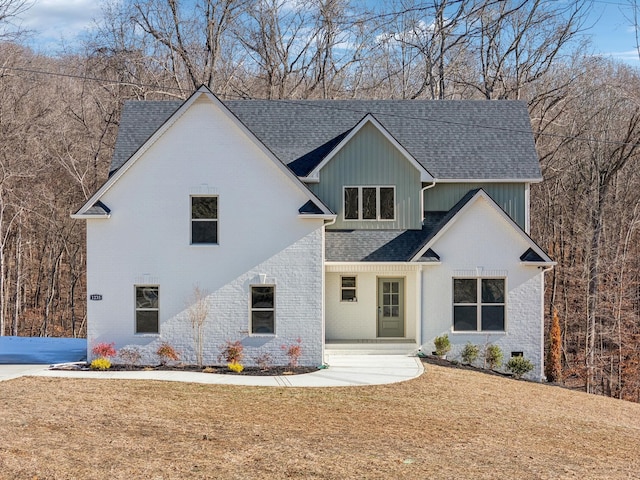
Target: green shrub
[442, 344]
[519, 366]
[100, 364]
[492, 356]
[470, 353]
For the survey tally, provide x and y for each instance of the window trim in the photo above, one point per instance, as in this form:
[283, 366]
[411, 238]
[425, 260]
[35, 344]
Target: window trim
[354, 288]
[479, 304]
[360, 198]
[136, 309]
[216, 220]
[252, 309]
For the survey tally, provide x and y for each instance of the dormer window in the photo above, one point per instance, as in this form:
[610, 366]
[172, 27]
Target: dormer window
[369, 203]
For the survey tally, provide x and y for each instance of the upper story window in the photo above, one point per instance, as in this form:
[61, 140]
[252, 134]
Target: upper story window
[478, 304]
[369, 203]
[204, 220]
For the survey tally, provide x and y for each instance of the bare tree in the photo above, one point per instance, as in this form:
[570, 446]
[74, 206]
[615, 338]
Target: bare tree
[198, 310]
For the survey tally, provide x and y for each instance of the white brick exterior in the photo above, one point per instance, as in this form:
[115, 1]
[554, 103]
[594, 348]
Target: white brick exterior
[481, 243]
[147, 242]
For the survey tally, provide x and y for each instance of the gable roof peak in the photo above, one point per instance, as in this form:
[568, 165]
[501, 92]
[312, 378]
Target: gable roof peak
[369, 118]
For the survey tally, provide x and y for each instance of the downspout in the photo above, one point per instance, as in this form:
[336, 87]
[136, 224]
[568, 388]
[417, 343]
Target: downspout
[421, 309]
[542, 366]
[422, 190]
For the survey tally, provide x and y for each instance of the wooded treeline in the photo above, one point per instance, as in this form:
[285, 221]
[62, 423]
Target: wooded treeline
[57, 132]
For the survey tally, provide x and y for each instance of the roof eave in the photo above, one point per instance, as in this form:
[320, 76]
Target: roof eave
[86, 216]
[539, 264]
[490, 180]
[318, 216]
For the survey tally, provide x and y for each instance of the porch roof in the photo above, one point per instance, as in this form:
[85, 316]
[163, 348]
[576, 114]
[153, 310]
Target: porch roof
[380, 245]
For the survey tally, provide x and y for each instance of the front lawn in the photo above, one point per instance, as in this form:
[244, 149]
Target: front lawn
[447, 424]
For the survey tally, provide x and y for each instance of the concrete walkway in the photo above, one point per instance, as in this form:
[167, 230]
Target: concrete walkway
[343, 371]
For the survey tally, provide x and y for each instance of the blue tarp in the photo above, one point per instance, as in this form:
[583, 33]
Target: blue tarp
[40, 350]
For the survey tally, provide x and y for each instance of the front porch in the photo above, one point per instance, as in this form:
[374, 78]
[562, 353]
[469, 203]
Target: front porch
[388, 346]
[372, 308]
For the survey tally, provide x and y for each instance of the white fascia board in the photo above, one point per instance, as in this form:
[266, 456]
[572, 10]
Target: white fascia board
[539, 264]
[84, 216]
[482, 194]
[314, 216]
[372, 267]
[203, 90]
[314, 176]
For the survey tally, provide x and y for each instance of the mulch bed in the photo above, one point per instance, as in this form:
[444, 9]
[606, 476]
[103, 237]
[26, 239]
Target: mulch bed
[217, 369]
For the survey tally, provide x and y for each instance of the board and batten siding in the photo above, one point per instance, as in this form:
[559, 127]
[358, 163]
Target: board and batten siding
[510, 196]
[369, 159]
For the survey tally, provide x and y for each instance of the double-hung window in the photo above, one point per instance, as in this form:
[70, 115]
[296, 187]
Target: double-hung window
[369, 203]
[204, 220]
[348, 289]
[147, 309]
[263, 309]
[478, 304]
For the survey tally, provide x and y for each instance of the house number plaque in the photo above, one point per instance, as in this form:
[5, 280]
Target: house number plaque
[95, 296]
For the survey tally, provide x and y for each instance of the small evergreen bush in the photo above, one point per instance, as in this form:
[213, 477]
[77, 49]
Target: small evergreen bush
[519, 366]
[492, 356]
[442, 344]
[470, 353]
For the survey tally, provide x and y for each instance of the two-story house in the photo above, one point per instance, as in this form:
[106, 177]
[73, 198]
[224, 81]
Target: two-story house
[353, 225]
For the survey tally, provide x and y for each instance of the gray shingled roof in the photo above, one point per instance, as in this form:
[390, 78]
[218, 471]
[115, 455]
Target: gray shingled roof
[451, 139]
[381, 245]
[390, 245]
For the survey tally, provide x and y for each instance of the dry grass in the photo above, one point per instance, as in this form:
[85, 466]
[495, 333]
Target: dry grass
[447, 424]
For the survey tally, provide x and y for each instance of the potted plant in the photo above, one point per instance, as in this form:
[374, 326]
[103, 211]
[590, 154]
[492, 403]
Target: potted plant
[443, 345]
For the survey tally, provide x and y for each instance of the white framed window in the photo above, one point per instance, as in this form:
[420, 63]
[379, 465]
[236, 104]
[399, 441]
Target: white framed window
[348, 287]
[263, 310]
[147, 309]
[479, 304]
[204, 220]
[369, 203]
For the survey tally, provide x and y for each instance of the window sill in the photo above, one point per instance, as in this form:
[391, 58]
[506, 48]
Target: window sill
[147, 334]
[478, 332]
[204, 244]
[369, 220]
[269, 335]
